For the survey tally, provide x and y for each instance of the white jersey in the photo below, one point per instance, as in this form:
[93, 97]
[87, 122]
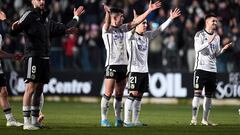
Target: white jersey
[1, 69]
[114, 41]
[137, 47]
[206, 53]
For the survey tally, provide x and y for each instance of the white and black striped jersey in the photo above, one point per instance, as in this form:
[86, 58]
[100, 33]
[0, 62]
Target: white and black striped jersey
[115, 44]
[1, 69]
[137, 47]
[206, 53]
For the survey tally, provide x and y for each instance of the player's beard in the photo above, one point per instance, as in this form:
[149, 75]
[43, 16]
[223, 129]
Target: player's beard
[214, 27]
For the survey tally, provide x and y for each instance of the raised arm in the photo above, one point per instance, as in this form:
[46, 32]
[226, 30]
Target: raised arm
[107, 19]
[58, 29]
[143, 16]
[173, 14]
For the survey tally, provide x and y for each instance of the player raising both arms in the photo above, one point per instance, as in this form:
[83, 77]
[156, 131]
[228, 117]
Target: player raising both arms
[113, 34]
[137, 47]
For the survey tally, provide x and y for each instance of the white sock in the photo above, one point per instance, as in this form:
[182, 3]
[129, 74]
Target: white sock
[195, 107]
[128, 109]
[104, 107]
[117, 105]
[9, 116]
[41, 102]
[136, 110]
[35, 114]
[26, 114]
[207, 102]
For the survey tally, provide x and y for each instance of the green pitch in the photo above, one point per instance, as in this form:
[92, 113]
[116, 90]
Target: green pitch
[71, 118]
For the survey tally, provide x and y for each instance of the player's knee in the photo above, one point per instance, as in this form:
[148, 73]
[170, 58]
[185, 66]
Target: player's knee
[197, 93]
[118, 98]
[119, 93]
[4, 92]
[131, 96]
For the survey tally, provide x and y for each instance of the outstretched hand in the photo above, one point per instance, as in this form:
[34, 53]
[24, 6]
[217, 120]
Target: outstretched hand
[2, 16]
[134, 14]
[106, 8]
[154, 6]
[79, 11]
[175, 13]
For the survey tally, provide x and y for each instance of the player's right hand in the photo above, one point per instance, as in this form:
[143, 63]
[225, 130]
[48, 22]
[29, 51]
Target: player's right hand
[106, 8]
[2, 16]
[79, 11]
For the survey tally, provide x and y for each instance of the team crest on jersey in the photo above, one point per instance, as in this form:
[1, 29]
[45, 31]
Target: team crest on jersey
[33, 76]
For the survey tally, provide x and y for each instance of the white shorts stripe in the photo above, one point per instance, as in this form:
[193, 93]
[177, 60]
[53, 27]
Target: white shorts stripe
[29, 69]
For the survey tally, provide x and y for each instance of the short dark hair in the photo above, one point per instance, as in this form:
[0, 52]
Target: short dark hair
[209, 16]
[116, 10]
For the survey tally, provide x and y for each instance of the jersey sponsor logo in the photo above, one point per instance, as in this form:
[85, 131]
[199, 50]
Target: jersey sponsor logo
[142, 44]
[142, 47]
[117, 36]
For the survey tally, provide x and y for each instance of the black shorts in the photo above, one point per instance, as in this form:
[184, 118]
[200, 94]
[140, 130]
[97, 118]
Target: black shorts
[204, 79]
[138, 82]
[37, 69]
[117, 72]
[3, 81]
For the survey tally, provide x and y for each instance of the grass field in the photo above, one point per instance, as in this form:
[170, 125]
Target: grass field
[70, 118]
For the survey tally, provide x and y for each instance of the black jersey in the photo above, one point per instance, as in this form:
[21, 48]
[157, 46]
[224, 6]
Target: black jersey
[39, 30]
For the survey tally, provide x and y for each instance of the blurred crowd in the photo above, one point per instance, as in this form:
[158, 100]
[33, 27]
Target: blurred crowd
[172, 51]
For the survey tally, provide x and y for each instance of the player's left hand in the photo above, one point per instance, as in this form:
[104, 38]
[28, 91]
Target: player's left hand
[226, 46]
[2, 16]
[154, 6]
[79, 11]
[175, 13]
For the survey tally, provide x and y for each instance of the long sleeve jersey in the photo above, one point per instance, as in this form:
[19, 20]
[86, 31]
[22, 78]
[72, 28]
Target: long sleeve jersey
[206, 52]
[39, 29]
